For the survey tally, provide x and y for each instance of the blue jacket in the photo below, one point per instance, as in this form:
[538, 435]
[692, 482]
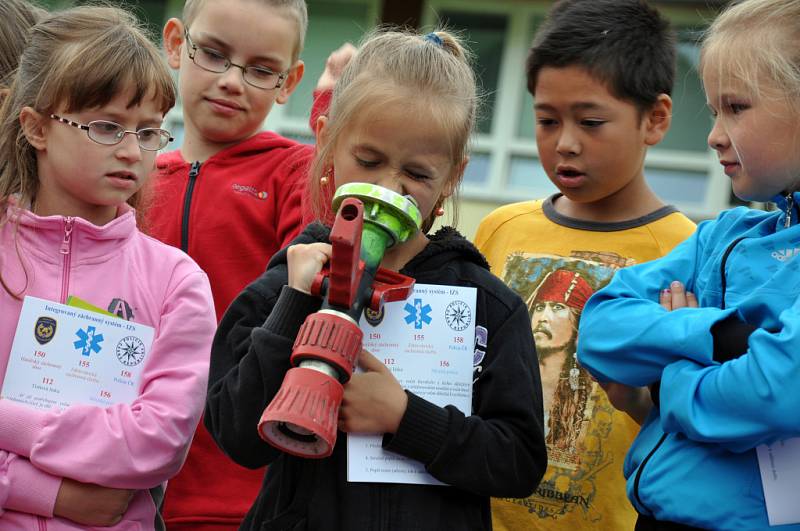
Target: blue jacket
[694, 460]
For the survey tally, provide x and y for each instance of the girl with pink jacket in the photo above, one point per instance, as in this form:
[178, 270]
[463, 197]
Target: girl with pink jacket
[79, 132]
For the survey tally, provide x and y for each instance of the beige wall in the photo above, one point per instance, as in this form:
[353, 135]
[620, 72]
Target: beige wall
[470, 214]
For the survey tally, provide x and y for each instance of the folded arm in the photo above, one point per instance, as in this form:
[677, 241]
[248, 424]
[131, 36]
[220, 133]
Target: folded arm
[137, 445]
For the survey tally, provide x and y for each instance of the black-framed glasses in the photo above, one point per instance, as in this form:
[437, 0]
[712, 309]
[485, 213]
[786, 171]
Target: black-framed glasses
[111, 133]
[214, 61]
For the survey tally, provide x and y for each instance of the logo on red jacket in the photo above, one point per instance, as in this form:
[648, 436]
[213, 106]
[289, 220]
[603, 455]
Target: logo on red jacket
[249, 190]
[121, 308]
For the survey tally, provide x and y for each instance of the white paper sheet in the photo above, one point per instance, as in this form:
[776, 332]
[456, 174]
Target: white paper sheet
[63, 355]
[780, 476]
[428, 342]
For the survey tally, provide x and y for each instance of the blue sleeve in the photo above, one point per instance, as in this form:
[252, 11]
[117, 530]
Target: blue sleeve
[626, 336]
[742, 403]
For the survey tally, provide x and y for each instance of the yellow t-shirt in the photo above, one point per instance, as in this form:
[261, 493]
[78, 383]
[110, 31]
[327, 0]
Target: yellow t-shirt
[555, 263]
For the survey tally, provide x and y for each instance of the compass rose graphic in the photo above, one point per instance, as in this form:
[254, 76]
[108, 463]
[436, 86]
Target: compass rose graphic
[130, 351]
[458, 315]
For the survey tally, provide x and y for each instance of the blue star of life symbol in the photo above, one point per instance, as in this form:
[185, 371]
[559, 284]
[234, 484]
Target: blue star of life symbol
[418, 313]
[89, 340]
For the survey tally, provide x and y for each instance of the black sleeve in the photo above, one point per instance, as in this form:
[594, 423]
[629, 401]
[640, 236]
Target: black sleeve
[249, 358]
[499, 450]
[730, 338]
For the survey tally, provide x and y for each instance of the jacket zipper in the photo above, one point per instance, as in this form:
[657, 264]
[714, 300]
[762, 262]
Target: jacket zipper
[194, 171]
[66, 248]
[789, 207]
[641, 469]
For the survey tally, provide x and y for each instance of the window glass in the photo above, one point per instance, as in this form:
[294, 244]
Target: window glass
[485, 36]
[690, 118]
[330, 24]
[477, 171]
[678, 186]
[526, 173]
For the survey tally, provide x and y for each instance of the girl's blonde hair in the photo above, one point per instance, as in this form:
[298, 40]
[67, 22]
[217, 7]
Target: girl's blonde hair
[433, 70]
[80, 58]
[757, 42]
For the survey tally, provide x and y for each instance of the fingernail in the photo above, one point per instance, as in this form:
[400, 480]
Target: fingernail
[665, 291]
[675, 284]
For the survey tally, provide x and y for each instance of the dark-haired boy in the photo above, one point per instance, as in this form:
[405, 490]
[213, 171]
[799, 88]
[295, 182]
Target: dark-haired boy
[230, 197]
[601, 72]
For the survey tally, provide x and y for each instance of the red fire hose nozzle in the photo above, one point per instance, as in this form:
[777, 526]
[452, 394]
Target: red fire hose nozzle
[303, 416]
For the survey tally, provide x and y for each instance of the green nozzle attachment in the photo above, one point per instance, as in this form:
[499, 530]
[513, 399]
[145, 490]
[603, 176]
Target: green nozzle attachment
[389, 218]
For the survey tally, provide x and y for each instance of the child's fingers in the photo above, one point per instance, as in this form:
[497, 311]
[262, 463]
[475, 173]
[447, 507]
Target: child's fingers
[304, 262]
[678, 295]
[370, 363]
[665, 299]
[691, 300]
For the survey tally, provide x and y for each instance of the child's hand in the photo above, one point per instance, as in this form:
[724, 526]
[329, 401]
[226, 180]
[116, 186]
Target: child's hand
[304, 261]
[676, 297]
[635, 401]
[93, 505]
[374, 401]
[336, 62]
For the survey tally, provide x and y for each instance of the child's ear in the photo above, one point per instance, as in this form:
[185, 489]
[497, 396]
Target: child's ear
[33, 127]
[321, 131]
[657, 120]
[173, 35]
[290, 83]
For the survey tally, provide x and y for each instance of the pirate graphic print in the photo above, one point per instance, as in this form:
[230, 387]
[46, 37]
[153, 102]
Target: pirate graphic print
[556, 289]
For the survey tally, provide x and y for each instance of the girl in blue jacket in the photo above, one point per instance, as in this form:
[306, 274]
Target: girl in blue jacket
[728, 368]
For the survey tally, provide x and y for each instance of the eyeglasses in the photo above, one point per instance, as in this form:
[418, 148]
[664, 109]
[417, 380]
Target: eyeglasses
[111, 133]
[213, 61]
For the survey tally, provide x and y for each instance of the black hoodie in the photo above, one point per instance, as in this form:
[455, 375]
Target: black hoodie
[497, 451]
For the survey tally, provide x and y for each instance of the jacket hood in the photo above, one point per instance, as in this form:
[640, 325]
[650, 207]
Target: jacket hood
[445, 245]
[262, 142]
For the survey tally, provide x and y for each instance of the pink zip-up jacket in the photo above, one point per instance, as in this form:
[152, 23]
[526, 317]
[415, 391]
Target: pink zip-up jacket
[130, 446]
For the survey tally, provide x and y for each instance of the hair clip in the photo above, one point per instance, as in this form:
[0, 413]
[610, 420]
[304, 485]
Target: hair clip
[435, 39]
[604, 32]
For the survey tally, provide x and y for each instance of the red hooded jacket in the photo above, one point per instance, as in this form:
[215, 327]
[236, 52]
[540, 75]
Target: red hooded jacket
[231, 214]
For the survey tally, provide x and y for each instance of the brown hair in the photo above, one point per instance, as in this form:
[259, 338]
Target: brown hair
[79, 58]
[432, 69]
[18, 16]
[295, 9]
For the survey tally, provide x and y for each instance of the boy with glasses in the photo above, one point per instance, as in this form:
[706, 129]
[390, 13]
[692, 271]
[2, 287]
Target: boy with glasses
[230, 196]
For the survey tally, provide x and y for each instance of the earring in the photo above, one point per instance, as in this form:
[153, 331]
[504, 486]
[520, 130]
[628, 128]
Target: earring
[439, 212]
[326, 177]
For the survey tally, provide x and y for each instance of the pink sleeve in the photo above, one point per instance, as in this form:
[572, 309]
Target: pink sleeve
[137, 445]
[5, 480]
[32, 491]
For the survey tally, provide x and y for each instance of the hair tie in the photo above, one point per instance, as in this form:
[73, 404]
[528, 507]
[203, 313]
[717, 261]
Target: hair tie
[435, 39]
